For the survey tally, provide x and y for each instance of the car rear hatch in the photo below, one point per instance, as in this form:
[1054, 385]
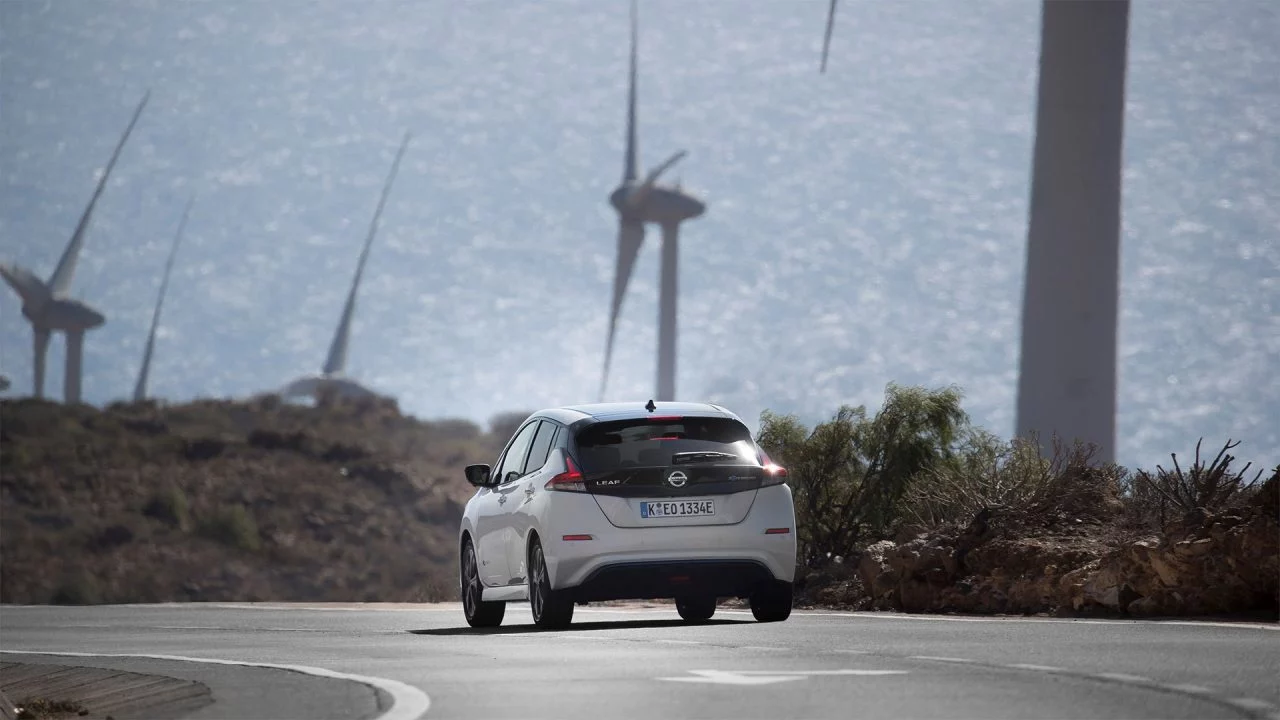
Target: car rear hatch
[665, 471]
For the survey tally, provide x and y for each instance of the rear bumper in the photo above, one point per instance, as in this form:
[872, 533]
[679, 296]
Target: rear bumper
[650, 580]
[642, 560]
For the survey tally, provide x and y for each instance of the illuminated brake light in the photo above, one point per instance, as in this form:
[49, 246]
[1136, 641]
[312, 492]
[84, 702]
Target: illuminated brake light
[774, 474]
[572, 538]
[664, 418]
[570, 480]
[778, 531]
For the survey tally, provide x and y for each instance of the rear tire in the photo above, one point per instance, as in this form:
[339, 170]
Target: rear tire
[479, 614]
[697, 608]
[771, 602]
[552, 609]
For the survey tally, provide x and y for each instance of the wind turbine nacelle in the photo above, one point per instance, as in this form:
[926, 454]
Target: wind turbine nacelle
[618, 199]
[318, 385]
[67, 315]
[670, 205]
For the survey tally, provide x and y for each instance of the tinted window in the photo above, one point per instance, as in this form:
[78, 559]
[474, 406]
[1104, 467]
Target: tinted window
[513, 461]
[541, 447]
[645, 442]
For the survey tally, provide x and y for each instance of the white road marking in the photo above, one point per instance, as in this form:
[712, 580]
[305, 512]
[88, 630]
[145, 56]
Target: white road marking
[1125, 678]
[721, 677]
[407, 701]
[1250, 704]
[1031, 666]
[822, 672]
[1189, 688]
[878, 615]
[939, 659]
[767, 677]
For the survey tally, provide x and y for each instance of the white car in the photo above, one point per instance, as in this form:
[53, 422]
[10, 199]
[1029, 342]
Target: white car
[628, 501]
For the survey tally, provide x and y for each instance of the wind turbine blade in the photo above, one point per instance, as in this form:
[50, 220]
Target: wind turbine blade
[631, 170]
[30, 288]
[61, 278]
[636, 196]
[630, 238]
[337, 360]
[826, 41]
[140, 389]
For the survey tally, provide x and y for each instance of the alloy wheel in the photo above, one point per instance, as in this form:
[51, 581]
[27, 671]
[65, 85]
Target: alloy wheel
[471, 583]
[537, 575]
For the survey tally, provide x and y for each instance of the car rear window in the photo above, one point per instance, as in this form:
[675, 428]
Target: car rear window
[652, 442]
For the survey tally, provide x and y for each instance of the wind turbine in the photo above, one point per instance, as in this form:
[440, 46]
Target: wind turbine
[645, 201]
[140, 390]
[332, 382]
[45, 305]
[1067, 378]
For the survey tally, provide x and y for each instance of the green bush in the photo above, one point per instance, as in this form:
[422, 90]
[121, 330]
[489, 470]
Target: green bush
[232, 526]
[170, 507]
[850, 474]
[78, 588]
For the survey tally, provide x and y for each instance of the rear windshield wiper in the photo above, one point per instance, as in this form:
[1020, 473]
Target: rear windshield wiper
[701, 456]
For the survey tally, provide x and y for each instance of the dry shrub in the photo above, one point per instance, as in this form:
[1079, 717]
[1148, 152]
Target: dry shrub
[1016, 479]
[1156, 498]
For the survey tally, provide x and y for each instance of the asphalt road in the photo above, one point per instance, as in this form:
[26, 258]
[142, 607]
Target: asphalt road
[399, 662]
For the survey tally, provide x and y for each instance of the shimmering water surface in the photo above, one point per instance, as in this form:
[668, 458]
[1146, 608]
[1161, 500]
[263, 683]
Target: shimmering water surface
[864, 226]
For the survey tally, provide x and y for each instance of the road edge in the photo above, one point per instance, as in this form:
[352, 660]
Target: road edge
[407, 701]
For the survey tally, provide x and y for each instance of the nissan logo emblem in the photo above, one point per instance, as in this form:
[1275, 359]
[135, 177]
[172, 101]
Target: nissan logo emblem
[677, 479]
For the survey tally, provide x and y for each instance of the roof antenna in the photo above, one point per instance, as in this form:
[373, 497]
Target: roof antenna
[650, 407]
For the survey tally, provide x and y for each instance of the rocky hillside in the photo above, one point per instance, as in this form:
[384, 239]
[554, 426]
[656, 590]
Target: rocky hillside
[218, 500]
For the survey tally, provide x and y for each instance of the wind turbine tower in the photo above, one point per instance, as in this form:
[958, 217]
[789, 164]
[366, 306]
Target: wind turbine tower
[332, 382]
[640, 202]
[140, 389]
[45, 305]
[1067, 374]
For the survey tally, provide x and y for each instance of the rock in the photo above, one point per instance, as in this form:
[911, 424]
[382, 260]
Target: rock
[872, 564]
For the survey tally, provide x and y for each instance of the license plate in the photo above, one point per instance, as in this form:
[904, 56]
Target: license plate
[677, 508]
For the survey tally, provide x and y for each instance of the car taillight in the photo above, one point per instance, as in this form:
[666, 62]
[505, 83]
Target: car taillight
[570, 480]
[774, 474]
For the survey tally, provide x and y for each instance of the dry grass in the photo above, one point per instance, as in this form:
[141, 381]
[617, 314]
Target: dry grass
[219, 500]
[1016, 480]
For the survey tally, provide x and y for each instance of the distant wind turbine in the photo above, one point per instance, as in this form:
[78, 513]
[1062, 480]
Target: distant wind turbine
[45, 305]
[644, 201]
[140, 389]
[1067, 375]
[332, 382]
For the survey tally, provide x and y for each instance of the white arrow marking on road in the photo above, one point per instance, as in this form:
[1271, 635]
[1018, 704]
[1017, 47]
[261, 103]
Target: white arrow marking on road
[722, 677]
[766, 677]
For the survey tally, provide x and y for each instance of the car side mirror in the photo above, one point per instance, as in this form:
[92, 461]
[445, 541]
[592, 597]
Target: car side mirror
[478, 475]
